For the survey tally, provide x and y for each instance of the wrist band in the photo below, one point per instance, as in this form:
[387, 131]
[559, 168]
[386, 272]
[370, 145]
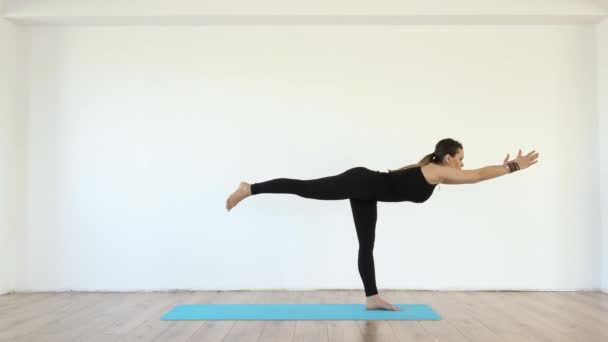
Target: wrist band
[513, 166]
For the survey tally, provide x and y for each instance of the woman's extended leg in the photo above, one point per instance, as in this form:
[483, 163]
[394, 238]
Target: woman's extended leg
[365, 215]
[357, 182]
[350, 183]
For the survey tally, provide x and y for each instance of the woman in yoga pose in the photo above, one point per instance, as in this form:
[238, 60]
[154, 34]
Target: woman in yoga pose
[364, 188]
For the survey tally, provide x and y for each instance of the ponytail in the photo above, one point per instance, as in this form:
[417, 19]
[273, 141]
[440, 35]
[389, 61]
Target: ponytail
[424, 161]
[442, 148]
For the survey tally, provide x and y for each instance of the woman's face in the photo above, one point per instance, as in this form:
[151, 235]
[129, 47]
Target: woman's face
[456, 161]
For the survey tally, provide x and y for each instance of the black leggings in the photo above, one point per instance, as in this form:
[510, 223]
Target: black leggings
[357, 185]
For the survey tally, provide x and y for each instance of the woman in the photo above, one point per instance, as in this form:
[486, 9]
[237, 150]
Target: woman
[364, 188]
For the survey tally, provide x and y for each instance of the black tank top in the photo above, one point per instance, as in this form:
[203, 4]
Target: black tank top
[408, 185]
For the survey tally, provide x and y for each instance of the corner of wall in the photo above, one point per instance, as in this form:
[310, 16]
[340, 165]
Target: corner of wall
[10, 184]
[602, 106]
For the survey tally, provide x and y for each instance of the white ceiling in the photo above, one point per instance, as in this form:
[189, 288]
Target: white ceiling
[309, 11]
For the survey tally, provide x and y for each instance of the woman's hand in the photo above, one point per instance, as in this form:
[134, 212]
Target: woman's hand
[524, 162]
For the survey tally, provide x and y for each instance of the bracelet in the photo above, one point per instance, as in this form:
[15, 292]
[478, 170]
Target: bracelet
[513, 166]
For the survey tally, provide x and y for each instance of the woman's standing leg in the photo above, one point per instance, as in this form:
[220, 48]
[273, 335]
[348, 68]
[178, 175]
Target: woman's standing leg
[365, 215]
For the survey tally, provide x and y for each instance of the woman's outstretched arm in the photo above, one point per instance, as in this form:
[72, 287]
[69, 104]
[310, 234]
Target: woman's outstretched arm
[448, 175]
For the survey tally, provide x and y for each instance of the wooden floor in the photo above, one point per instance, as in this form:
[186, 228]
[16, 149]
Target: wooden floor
[466, 316]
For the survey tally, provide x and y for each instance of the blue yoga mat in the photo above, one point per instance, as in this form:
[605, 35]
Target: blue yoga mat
[316, 312]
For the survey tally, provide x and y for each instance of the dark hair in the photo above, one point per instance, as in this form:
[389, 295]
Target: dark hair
[442, 148]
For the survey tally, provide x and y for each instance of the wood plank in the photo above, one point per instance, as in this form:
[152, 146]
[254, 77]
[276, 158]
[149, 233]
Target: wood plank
[462, 318]
[243, 331]
[470, 316]
[278, 331]
[568, 313]
[13, 301]
[503, 319]
[184, 330]
[30, 324]
[213, 331]
[404, 330]
[311, 330]
[438, 330]
[152, 326]
[342, 330]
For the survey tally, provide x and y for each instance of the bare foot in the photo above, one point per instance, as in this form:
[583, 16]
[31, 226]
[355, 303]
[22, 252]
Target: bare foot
[243, 191]
[376, 303]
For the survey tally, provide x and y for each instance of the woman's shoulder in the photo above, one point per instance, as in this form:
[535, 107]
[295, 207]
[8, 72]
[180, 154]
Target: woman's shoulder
[432, 172]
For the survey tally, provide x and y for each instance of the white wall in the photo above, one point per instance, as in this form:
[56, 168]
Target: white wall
[602, 41]
[136, 136]
[8, 154]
